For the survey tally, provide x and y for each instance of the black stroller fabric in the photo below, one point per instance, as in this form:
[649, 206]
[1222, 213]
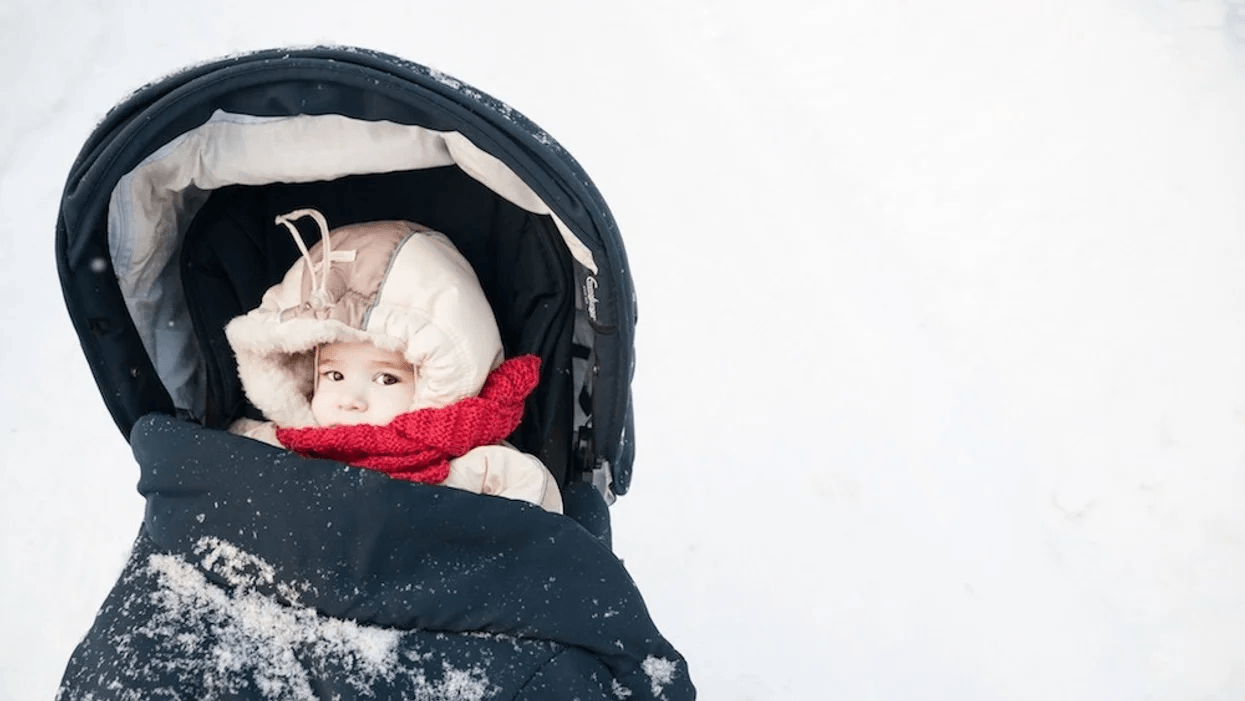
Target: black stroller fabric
[246, 583]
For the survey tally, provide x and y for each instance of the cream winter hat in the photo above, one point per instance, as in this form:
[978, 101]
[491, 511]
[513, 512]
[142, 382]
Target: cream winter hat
[396, 284]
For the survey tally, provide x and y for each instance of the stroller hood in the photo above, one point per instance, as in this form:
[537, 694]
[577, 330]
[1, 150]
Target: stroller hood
[156, 220]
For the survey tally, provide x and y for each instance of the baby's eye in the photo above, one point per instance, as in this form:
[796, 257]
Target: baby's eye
[386, 379]
[333, 375]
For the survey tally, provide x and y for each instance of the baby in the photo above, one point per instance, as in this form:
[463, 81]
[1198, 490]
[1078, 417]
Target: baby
[379, 349]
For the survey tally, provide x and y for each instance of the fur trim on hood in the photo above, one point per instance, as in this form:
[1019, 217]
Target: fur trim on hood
[396, 284]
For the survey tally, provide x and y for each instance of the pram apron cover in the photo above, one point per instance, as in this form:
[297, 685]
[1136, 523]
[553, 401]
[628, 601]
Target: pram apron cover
[343, 584]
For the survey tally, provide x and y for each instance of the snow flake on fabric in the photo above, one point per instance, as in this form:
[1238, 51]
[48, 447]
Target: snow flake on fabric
[239, 568]
[620, 691]
[660, 673]
[227, 641]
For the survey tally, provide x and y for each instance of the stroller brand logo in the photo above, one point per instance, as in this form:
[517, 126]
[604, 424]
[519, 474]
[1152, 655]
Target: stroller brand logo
[590, 296]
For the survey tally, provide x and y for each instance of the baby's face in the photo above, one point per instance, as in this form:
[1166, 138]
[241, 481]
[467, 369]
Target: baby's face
[358, 383]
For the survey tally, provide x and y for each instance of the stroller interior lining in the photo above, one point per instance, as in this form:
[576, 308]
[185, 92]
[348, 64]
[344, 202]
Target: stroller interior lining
[233, 252]
[151, 207]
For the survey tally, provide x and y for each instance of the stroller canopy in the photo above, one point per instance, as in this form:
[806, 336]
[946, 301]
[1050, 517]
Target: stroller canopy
[166, 232]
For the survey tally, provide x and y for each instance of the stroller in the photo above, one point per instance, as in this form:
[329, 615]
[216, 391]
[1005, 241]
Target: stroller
[258, 574]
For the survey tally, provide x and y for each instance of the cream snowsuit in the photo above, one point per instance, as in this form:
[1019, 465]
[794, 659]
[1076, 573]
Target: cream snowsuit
[404, 288]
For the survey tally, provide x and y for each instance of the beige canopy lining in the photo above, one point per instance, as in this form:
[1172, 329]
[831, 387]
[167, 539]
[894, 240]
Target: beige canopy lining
[152, 206]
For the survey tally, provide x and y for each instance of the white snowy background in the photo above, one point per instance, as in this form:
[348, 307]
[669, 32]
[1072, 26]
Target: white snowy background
[941, 383]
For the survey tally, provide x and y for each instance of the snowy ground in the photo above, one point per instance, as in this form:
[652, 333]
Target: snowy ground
[941, 389]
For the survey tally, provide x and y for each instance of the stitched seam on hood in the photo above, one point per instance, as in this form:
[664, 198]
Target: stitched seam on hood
[384, 279]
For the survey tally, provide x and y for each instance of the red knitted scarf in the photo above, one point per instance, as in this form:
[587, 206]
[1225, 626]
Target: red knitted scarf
[419, 445]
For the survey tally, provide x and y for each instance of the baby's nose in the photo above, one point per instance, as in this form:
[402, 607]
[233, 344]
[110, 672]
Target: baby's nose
[354, 400]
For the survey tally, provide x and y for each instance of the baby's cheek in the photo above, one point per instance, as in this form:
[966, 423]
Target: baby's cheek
[318, 409]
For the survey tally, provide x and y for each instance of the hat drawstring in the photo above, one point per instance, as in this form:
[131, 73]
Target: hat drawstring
[320, 286]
